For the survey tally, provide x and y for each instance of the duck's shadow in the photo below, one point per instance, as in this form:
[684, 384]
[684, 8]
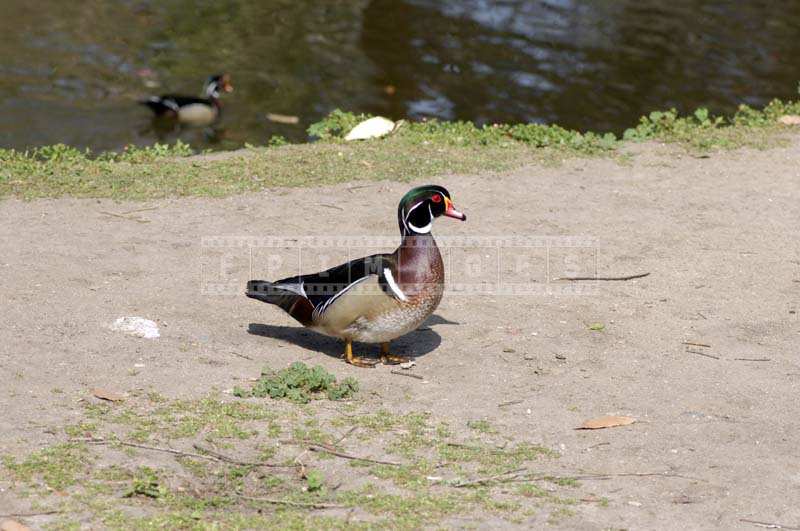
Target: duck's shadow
[414, 344]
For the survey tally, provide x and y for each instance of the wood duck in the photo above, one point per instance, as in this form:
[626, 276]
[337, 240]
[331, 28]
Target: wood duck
[376, 298]
[189, 110]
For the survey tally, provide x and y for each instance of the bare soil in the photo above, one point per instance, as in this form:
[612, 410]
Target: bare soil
[716, 438]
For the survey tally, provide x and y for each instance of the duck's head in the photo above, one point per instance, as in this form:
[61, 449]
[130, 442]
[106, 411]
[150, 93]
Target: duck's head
[215, 84]
[421, 205]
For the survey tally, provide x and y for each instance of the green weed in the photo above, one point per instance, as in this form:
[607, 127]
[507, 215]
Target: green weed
[146, 483]
[300, 384]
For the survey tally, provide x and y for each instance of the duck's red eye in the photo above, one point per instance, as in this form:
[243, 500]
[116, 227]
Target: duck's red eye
[436, 198]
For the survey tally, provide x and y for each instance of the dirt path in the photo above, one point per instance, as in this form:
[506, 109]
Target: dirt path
[718, 235]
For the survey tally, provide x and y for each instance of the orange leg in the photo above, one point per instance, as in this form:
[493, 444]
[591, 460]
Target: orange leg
[390, 359]
[355, 360]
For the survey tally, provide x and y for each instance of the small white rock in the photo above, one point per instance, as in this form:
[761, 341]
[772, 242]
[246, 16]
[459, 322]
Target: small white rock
[373, 128]
[136, 326]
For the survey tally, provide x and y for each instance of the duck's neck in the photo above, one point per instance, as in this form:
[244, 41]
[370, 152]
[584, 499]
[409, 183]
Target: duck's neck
[418, 258]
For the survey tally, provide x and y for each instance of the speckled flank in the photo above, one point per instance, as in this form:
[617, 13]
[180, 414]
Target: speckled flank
[399, 320]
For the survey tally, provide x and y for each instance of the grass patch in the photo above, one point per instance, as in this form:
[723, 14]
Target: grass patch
[300, 384]
[184, 418]
[481, 426]
[416, 150]
[408, 511]
[493, 460]
[250, 487]
[57, 467]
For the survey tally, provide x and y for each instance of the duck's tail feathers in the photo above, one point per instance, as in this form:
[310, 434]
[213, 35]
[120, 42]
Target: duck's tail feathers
[266, 291]
[159, 105]
[290, 297]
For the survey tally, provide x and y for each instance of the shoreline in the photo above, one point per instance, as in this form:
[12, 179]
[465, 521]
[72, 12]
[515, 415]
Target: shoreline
[417, 150]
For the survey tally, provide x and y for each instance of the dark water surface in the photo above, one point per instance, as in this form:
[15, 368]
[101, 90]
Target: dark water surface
[71, 71]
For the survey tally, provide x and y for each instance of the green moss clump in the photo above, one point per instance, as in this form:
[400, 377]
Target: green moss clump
[336, 125]
[146, 483]
[300, 383]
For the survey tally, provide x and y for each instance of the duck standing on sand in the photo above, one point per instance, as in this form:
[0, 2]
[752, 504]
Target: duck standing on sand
[376, 298]
[189, 110]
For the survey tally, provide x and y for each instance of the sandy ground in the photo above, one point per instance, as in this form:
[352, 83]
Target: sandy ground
[718, 235]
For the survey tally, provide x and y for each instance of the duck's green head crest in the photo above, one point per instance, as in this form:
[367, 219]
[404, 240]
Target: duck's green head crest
[421, 205]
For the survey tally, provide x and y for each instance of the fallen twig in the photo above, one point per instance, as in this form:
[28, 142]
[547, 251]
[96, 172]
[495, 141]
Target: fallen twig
[510, 475]
[628, 277]
[752, 359]
[400, 373]
[135, 210]
[311, 505]
[129, 218]
[207, 454]
[523, 474]
[31, 514]
[693, 344]
[232, 461]
[358, 187]
[346, 434]
[692, 351]
[589, 477]
[320, 448]
[769, 525]
[146, 447]
[510, 403]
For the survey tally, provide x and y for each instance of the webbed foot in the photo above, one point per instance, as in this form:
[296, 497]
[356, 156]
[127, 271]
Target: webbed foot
[391, 359]
[356, 360]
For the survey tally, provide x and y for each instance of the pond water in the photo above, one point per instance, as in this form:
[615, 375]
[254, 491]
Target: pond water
[71, 72]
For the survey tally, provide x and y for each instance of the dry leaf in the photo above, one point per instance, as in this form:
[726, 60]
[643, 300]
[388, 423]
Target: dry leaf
[606, 422]
[111, 396]
[283, 118]
[13, 525]
[789, 119]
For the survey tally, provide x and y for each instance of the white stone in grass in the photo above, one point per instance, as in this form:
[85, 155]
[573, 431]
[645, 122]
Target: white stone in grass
[373, 128]
[136, 326]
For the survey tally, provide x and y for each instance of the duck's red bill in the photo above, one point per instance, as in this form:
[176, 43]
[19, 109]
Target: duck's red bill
[451, 212]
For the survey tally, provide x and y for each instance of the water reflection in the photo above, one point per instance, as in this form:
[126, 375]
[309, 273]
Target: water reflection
[70, 72]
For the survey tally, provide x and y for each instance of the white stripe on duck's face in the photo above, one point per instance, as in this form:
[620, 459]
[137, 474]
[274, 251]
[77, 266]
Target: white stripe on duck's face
[419, 219]
[212, 90]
